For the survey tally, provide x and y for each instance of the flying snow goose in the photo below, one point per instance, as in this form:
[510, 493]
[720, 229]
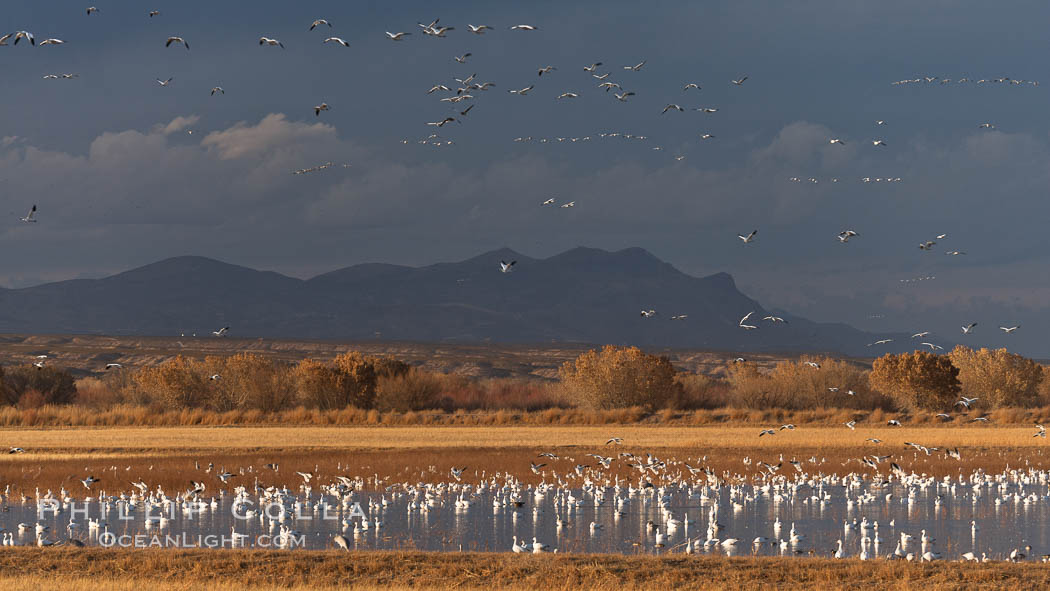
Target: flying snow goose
[691, 85]
[648, 313]
[217, 89]
[336, 40]
[91, 10]
[878, 143]
[396, 36]
[548, 202]
[442, 122]
[565, 95]
[837, 141]
[568, 205]
[505, 267]
[635, 67]
[1009, 329]
[522, 91]
[320, 21]
[523, 28]
[24, 35]
[479, 29]
[176, 40]
[221, 332]
[740, 81]
[592, 68]
[969, 328]
[670, 107]
[747, 239]
[164, 82]
[462, 59]
[52, 42]
[271, 42]
[154, 13]
[546, 70]
[622, 97]
[31, 216]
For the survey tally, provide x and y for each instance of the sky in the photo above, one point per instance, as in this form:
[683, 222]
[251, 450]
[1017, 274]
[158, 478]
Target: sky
[126, 172]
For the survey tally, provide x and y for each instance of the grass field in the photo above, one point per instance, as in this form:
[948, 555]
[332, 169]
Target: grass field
[168, 455]
[131, 570]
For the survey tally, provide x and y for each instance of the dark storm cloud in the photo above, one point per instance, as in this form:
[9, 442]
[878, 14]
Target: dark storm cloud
[121, 180]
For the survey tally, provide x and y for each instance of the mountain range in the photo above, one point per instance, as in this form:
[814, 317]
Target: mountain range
[583, 295]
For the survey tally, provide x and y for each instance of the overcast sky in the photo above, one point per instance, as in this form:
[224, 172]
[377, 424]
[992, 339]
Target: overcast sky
[121, 181]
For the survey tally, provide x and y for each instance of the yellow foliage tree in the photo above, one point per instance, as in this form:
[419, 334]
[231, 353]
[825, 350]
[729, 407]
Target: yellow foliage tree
[919, 380]
[997, 377]
[620, 377]
[178, 383]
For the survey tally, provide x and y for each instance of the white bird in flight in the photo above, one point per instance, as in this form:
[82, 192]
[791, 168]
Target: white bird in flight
[221, 332]
[176, 40]
[396, 36]
[479, 29]
[523, 28]
[969, 328]
[635, 67]
[320, 21]
[747, 239]
[522, 91]
[321, 107]
[271, 42]
[740, 81]
[336, 40]
[217, 89]
[1009, 329]
[164, 82]
[878, 143]
[52, 42]
[505, 267]
[670, 107]
[31, 216]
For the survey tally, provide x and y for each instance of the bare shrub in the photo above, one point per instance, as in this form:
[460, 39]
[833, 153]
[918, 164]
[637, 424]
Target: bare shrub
[411, 390]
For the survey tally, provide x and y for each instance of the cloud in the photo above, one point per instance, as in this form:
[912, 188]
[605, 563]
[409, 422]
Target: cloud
[179, 123]
[273, 134]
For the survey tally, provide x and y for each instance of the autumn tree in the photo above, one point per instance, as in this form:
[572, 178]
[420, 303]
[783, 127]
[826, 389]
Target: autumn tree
[997, 377]
[349, 381]
[178, 383]
[48, 385]
[249, 381]
[919, 380]
[620, 377]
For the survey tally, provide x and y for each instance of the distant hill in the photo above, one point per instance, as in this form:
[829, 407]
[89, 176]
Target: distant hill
[583, 295]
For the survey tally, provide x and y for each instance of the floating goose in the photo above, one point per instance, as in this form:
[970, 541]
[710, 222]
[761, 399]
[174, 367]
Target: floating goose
[176, 40]
[271, 42]
[320, 21]
[336, 40]
[505, 267]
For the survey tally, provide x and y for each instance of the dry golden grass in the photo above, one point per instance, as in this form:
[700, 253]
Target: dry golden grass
[167, 456]
[113, 570]
[174, 439]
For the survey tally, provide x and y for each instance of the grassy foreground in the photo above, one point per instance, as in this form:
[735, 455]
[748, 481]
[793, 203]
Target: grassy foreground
[110, 570]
